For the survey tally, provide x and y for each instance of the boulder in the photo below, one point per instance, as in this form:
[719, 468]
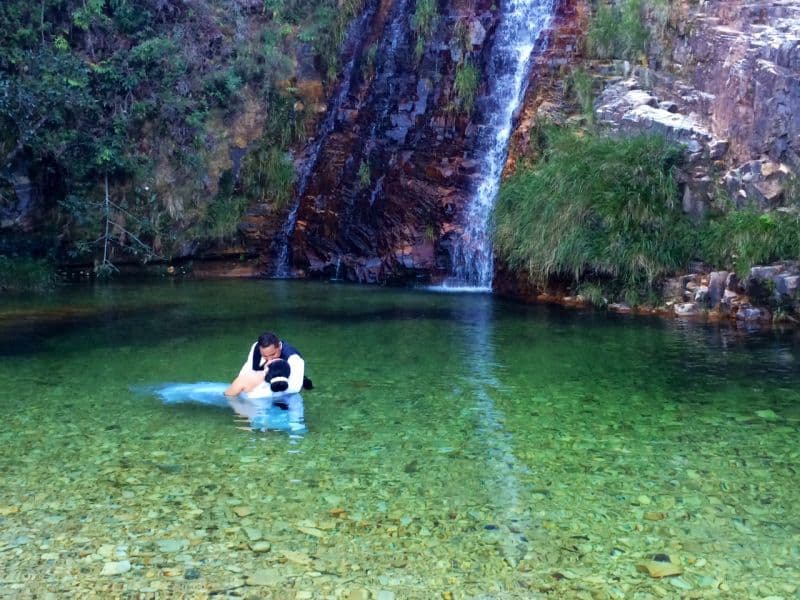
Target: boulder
[686, 309]
[760, 182]
[787, 285]
[753, 314]
[716, 287]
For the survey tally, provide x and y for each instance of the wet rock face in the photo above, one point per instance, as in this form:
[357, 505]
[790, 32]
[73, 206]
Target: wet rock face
[391, 172]
[392, 176]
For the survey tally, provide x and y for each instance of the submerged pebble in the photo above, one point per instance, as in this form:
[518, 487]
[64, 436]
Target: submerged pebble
[260, 546]
[116, 567]
[658, 569]
[265, 577]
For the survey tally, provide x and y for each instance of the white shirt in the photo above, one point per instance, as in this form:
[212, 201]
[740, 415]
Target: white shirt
[296, 364]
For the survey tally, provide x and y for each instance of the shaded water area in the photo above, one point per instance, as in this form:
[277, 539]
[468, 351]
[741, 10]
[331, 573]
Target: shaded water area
[457, 447]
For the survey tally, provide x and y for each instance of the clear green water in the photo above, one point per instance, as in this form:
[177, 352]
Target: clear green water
[458, 446]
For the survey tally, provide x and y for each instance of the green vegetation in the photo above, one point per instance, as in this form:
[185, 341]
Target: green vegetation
[424, 22]
[327, 28]
[131, 92]
[467, 78]
[578, 88]
[604, 213]
[364, 175]
[461, 36]
[466, 85]
[618, 30]
[224, 213]
[740, 239]
[369, 64]
[26, 274]
[596, 208]
[594, 294]
[267, 175]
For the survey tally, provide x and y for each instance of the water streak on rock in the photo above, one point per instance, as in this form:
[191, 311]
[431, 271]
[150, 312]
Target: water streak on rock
[518, 36]
[353, 48]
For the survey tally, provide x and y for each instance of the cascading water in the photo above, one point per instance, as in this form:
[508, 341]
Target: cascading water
[353, 46]
[520, 32]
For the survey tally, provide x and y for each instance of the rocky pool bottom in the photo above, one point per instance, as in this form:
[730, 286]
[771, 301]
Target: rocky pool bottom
[457, 447]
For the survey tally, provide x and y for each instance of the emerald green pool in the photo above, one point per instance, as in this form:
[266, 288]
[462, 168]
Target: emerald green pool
[458, 447]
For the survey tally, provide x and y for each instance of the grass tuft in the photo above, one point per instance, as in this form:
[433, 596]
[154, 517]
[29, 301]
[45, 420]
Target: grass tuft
[596, 208]
[741, 239]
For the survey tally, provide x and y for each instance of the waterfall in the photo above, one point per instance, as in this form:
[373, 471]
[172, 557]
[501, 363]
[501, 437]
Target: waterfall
[337, 276]
[353, 46]
[520, 30]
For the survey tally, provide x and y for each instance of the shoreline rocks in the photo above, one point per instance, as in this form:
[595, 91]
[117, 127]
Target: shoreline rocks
[767, 296]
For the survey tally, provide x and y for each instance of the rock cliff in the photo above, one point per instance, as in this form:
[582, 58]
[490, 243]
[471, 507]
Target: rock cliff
[393, 173]
[727, 85]
[394, 169]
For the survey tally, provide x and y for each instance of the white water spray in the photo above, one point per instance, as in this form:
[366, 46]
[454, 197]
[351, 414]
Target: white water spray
[519, 33]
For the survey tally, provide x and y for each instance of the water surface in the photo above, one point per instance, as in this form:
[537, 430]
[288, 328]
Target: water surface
[456, 445]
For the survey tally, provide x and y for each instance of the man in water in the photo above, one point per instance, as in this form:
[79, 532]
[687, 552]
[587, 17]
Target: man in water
[267, 349]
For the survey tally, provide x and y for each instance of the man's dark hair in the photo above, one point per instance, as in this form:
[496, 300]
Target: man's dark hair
[267, 339]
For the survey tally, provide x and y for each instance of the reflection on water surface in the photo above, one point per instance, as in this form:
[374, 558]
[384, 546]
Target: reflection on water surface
[456, 445]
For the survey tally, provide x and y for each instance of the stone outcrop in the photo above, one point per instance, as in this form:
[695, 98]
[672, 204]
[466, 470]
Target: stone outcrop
[766, 292]
[746, 56]
[728, 89]
[625, 107]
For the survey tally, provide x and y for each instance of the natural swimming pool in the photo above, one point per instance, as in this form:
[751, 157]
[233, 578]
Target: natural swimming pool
[458, 446]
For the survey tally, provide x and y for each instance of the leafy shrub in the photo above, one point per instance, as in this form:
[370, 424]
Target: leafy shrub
[596, 208]
[90, 88]
[222, 87]
[130, 17]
